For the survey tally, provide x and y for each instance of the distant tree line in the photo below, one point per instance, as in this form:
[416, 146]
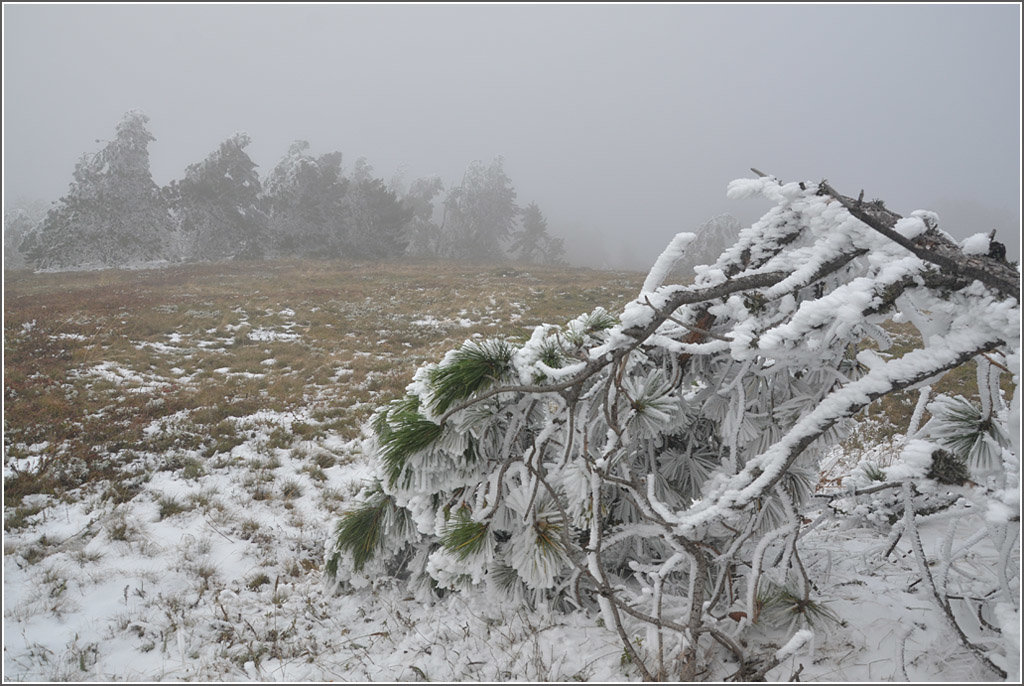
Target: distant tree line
[114, 214]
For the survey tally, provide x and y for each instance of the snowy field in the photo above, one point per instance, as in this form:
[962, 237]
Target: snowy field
[178, 445]
[229, 588]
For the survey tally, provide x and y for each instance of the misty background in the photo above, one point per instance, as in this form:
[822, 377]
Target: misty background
[624, 123]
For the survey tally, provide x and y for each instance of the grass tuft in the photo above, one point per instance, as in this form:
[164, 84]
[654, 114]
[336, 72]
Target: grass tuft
[169, 507]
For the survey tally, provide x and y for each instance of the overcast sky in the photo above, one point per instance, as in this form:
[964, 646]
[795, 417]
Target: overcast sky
[624, 123]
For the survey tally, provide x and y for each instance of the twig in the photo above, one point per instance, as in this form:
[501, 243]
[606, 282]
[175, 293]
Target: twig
[898, 531]
[984, 622]
[215, 529]
[996, 364]
[694, 329]
[728, 643]
[860, 491]
[901, 653]
[768, 666]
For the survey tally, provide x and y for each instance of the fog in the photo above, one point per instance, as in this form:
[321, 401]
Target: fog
[624, 123]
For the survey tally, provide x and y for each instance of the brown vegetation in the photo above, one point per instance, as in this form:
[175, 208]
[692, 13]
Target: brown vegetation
[104, 364]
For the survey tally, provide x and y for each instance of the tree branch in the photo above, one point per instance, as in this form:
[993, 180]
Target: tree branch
[933, 247]
[739, 490]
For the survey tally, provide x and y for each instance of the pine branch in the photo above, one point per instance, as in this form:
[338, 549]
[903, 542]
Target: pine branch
[464, 537]
[860, 491]
[932, 247]
[403, 432]
[685, 296]
[474, 367]
[790, 446]
[359, 533]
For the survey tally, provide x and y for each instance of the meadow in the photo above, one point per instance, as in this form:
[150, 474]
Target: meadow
[99, 364]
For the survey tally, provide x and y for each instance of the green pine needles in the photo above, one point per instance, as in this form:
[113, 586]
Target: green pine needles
[781, 606]
[579, 329]
[402, 432]
[472, 368]
[548, 538]
[364, 531]
[359, 533]
[505, 578]
[463, 537]
[873, 472]
[551, 355]
[961, 427]
[949, 469]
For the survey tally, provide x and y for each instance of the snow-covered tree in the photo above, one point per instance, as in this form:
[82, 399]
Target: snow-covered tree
[424, 234]
[304, 198]
[376, 221]
[20, 219]
[533, 243]
[113, 213]
[711, 239]
[480, 213]
[217, 205]
[654, 467]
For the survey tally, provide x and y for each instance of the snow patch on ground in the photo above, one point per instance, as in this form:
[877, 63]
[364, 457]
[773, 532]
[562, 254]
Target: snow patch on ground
[217, 577]
[229, 588]
[263, 335]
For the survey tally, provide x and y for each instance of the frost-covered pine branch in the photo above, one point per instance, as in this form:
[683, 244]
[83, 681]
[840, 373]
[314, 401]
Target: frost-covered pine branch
[650, 467]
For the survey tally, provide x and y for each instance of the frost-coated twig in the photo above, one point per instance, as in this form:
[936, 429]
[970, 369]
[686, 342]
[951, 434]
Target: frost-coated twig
[754, 576]
[861, 491]
[894, 538]
[1006, 559]
[901, 655]
[947, 555]
[997, 365]
[763, 472]
[926, 573]
[637, 335]
[667, 316]
[726, 567]
[915, 419]
[659, 601]
[984, 385]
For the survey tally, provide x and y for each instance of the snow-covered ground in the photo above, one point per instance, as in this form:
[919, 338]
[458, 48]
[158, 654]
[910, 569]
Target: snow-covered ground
[229, 588]
[195, 578]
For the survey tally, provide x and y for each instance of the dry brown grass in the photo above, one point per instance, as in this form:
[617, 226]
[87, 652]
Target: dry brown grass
[219, 342]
